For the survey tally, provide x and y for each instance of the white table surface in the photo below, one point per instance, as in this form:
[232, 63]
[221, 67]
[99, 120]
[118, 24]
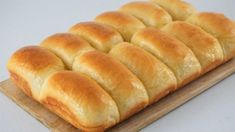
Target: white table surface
[25, 22]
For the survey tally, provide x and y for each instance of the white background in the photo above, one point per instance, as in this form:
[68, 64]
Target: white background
[27, 22]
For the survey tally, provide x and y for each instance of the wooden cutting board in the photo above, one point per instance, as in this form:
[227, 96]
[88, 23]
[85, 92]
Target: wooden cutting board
[136, 122]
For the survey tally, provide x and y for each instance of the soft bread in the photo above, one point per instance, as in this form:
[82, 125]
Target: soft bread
[101, 37]
[109, 79]
[30, 66]
[149, 13]
[205, 47]
[220, 27]
[66, 46]
[123, 86]
[178, 9]
[157, 78]
[171, 51]
[126, 24]
[80, 101]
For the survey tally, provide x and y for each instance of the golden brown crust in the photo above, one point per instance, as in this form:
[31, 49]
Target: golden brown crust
[171, 51]
[21, 83]
[126, 24]
[178, 9]
[164, 93]
[157, 77]
[220, 27]
[31, 57]
[79, 100]
[60, 109]
[30, 66]
[66, 46]
[101, 37]
[149, 13]
[205, 47]
[125, 88]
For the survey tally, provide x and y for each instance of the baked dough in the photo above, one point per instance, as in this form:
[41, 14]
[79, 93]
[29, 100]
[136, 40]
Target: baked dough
[124, 87]
[30, 66]
[157, 78]
[66, 46]
[79, 100]
[125, 24]
[101, 37]
[171, 51]
[149, 13]
[179, 10]
[220, 27]
[206, 48]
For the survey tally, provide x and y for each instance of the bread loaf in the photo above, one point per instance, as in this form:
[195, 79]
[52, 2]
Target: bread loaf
[122, 61]
[79, 100]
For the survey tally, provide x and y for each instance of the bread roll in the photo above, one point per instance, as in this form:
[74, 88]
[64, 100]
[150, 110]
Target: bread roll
[205, 47]
[123, 86]
[157, 78]
[171, 51]
[66, 46]
[178, 9]
[149, 13]
[30, 66]
[101, 37]
[126, 24]
[220, 27]
[80, 101]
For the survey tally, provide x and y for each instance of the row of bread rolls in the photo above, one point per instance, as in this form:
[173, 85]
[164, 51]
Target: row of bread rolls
[73, 96]
[115, 94]
[112, 79]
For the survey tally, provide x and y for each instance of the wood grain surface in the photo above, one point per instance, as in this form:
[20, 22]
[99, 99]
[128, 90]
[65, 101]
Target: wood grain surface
[137, 121]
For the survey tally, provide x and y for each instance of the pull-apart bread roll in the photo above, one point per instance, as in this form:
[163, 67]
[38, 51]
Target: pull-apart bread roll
[100, 36]
[66, 46]
[125, 24]
[149, 13]
[205, 47]
[220, 27]
[123, 86]
[157, 78]
[30, 66]
[178, 9]
[80, 101]
[171, 51]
